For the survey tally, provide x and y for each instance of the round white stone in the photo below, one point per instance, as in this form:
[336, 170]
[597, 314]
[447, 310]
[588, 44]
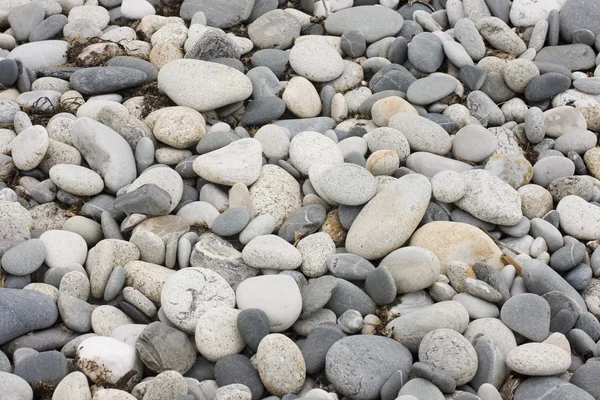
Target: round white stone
[63, 248]
[316, 61]
[106, 360]
[448, 186]
[311, 147]
[277, 295]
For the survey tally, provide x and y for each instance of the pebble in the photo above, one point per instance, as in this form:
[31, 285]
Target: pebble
[280, 364]
[537, 359]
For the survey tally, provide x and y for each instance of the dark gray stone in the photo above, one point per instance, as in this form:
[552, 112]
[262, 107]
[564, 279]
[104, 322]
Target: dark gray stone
[583, 36]
[575, 57]
[136, 63]
[398, 51]
[57, 72]
[586, 377]
[495, 87]
[527, 314]
[563, 321]
[347, 215]
[162, 348]
[553, 28]
[407, 10]
[546, 86]
[318, 343]
[9, 72]
[48, 339]
[115, 283]
[588, 323]
[22, 311]
[16, 282]
[360, 365]
[391, 387]
[353, 43]
[110, 227]
[349, 266]
[545, 67]
[75, 313]
[44, 192]
[304, 221]
[49, 28]
[326, 94]
[472, 76]
[568, 256]
[202, 370]
[355, 158]
[316, 294]
[440, 378]
[185, 168]
[491, 367]
[426, 52]
[581, 343]
[215, 141]
[213, 44]
[347, 296]
[579, 14]
[98, 80]
[391, 77]
[133, 312]
[148, 199]
[53, 276]
[263, 110]
[274, 59]
[238, 368]
[254, 325]
[541, 279]
[380, 286]
[410, 29]
[42, 371]
[492, 277]
[231, 222]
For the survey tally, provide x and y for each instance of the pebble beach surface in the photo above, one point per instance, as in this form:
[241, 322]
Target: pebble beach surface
[325, 200]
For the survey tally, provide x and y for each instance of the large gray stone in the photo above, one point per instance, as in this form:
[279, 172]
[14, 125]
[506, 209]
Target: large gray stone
[22, 311]
[105, 151]
[358, 366]
[374, 22]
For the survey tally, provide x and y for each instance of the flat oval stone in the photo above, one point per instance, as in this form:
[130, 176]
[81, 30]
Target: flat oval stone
[426, 52]
[546, 86]
[206, 86]
[537, 359]
[527, 314]
[280, 365]
[36, 55]
[430, 89]
[474, 143]
[422, 134]
[410, 329]
[374, 22]
[374, 233]
[97, 80]
[76, 180]
[24, 258]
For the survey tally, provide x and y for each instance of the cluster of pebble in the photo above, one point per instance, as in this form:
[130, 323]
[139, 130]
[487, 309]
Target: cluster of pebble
[353, 199]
